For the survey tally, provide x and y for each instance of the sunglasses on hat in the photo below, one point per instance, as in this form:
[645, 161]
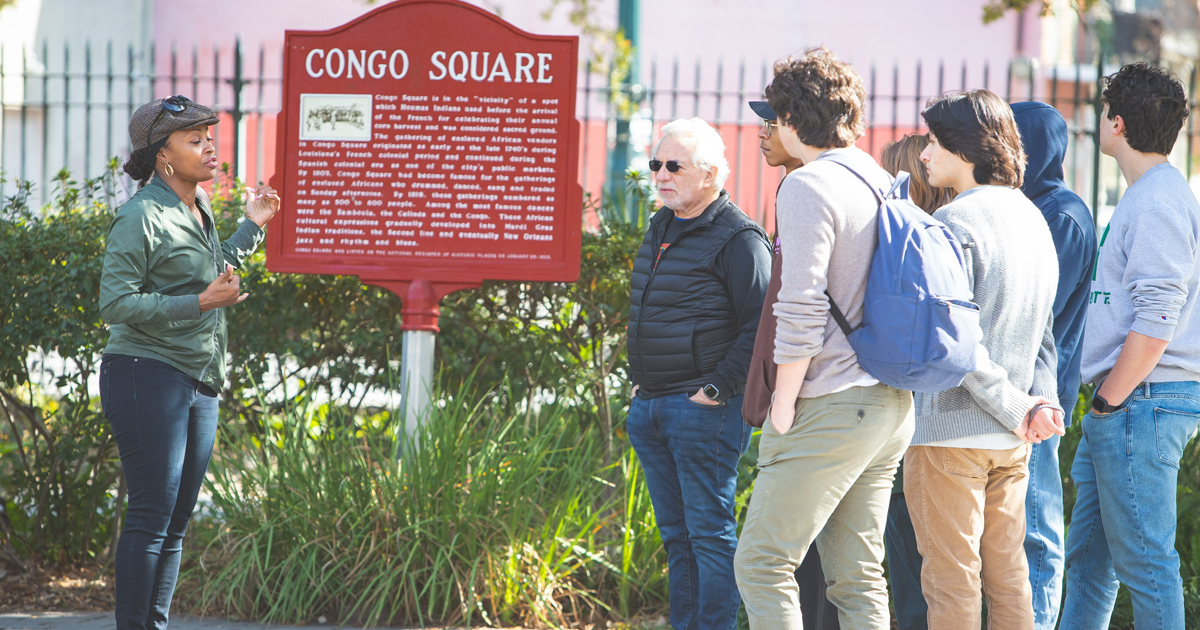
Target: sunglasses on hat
[177, 104]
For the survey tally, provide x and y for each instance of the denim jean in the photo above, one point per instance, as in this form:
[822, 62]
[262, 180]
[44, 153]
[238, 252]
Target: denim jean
[165, 422]
[1044, 532]
[811, 589]
[1123, 524]
[904, 567]
[689, 453]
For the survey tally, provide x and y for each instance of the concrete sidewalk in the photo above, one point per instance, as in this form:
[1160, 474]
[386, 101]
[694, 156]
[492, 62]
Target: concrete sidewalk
[104, 621]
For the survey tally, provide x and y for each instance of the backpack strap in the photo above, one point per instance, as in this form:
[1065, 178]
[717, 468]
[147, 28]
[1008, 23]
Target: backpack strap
[839, 317]
[881, 186]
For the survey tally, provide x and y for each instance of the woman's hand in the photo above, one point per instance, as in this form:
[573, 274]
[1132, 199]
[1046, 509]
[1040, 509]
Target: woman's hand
[261, 204]
[224, 291]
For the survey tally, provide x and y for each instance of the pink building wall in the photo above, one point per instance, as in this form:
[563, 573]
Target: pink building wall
[890, 36]
[860, 31]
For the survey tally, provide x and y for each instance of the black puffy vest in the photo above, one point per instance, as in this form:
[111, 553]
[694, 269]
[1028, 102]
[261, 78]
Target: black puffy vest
[681, 318]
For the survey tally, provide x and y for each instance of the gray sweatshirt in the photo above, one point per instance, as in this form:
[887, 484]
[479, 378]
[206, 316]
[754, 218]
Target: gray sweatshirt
[1013, 270]
[1146, 279]
[827, 220]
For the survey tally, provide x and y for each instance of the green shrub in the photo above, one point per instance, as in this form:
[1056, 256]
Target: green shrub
[302, 335]
[59, 471]
[61, 483]
[498, 519]
[341, 337]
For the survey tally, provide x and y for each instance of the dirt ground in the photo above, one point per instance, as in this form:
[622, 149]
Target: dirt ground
[55, 589]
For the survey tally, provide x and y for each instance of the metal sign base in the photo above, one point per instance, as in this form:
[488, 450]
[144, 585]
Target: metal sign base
[416, 383]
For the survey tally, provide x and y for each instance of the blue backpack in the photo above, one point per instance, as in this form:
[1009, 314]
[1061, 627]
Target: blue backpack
[920, 329]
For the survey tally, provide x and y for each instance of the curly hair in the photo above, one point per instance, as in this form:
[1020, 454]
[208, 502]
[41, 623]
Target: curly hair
[1152, 104]
[978, 126]
[140, 164]
[820, 97]
[905, 155]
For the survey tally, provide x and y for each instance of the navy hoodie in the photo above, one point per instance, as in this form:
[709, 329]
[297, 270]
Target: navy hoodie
[1044, 133]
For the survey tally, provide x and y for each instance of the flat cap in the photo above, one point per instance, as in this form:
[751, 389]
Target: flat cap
[151, 122]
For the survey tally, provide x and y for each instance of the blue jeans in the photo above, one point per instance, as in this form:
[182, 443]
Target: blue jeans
[1044, 532]
[689, 453]
[819, 613]
[904, 567]
[165, 422]
[1123, 525]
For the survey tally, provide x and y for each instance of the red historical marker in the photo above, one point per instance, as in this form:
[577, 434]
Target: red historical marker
[425, 147]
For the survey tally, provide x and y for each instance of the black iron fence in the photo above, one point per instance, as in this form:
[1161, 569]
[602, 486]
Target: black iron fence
[67, 107]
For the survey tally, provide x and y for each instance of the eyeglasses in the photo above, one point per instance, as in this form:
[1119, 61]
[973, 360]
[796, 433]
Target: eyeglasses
[176, 104]
[673, 166]
[767, 126]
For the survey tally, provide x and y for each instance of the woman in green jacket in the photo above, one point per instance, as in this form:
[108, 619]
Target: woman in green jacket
[167, 279]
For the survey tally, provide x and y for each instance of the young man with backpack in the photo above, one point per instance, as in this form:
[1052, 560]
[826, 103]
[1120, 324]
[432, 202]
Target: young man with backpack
[819, 612]
[834, 434]
[1142, 350]
[965, 475]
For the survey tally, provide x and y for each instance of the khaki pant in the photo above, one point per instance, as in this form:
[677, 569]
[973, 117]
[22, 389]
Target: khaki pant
[968, 510]
[831, 474]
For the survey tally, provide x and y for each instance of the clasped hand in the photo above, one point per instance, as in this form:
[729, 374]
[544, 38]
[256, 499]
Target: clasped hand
[1047, 422]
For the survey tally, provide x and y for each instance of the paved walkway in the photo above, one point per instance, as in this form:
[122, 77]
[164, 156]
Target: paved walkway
[104, 621]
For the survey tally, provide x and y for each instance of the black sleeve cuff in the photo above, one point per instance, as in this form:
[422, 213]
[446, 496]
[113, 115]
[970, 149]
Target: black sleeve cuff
[723, 385]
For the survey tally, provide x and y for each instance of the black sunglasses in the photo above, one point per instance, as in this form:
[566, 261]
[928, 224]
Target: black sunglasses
[176, 104]
[672, 165]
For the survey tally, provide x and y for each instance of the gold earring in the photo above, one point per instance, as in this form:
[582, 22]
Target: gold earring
[170, 171]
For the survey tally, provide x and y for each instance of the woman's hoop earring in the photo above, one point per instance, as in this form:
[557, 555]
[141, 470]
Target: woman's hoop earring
[168, 170]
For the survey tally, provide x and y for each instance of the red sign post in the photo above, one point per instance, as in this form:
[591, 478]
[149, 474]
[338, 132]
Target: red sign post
[425, 147]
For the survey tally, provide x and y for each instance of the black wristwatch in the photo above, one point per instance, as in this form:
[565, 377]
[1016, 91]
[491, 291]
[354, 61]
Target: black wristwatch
[711, 392]
[1100, 405]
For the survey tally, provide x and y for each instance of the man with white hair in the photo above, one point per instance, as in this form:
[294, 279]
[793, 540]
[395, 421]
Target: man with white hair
[697, 292]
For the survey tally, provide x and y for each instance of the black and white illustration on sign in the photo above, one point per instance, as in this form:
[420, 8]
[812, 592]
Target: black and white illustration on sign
[335, 117]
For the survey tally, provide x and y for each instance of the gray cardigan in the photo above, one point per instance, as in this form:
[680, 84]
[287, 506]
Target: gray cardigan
[1013, 270]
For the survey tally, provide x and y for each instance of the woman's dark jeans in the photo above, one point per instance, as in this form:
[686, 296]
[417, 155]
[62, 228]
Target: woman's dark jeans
[904, 566]
[165, 422]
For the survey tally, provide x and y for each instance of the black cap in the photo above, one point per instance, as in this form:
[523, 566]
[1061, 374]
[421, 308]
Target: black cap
[763, 109]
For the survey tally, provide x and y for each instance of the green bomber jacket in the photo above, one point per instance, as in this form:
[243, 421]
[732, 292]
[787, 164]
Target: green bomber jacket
[158, 262]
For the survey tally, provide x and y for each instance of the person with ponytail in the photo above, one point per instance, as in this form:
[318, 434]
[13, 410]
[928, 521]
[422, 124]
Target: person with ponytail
[166, 283]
